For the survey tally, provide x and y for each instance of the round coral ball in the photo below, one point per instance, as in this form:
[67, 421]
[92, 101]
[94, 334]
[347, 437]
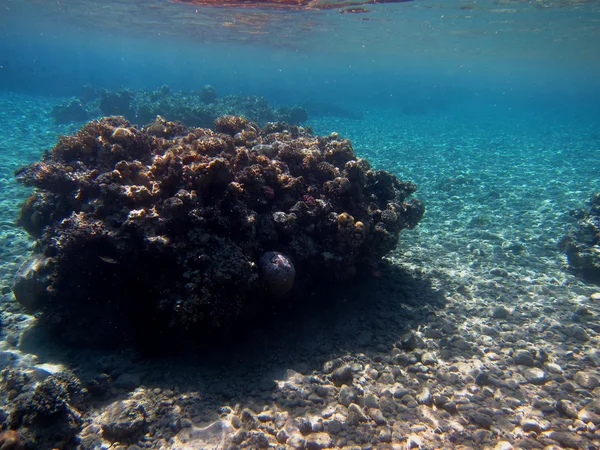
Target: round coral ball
[278, 273]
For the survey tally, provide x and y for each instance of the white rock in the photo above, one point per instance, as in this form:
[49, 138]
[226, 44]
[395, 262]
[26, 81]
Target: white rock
[553, 368]
[43, 371]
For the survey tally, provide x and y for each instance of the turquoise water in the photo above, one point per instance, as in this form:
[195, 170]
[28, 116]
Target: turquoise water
[491, 107]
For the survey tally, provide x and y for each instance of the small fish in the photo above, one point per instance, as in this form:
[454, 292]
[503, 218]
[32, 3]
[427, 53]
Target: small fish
[108, 259]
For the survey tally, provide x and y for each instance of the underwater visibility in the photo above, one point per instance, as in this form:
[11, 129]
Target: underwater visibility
[311, 224]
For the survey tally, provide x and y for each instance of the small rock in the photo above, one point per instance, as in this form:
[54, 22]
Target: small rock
[500, 312]
[236, 422]
[460, 343]
[249, 418]
[315, 398]
[429, 359]
[371, 401]
[266, 416]
[566, 408]
[451, 407]
[595, 296]
[485, 379]
[523, 358]
[541, 356]
[346, 396]
[318, 441]
[440, 400]
[582, 311]
[424, 398]
[591, 358]
[587, 380]
[591, 413]
[553, 368]
[282, 436]
[317, 426]
[580, 334]
[400, 392]
[481, 419]
[385, 435]
[334, 426]
[413, 442]
[529, 425]
[401, 359]
[412, 341]
[534, 375]
[261, 440]
[296, 441]
[342, 375]
[377, 416]
[498, 272]
[304, 426]
[124, 421]
[324, 391]
[356, 414]
[569, 440]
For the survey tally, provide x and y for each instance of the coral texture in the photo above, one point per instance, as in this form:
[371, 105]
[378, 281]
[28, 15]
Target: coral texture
[582, 243]
[194, 108]
[46, 412]
[160, 231]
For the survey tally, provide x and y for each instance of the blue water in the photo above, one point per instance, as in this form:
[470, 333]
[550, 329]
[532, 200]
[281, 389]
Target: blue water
[491, 107]
[512, 58]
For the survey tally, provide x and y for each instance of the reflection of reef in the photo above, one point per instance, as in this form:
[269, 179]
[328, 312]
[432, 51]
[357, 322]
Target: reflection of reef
[582, 244]
[288, 4]
[165, 231]
[195, 108]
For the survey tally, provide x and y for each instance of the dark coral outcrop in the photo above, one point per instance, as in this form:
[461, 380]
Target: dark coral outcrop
[160, 231]
[45, 413]
[194, 108]
[582, 243]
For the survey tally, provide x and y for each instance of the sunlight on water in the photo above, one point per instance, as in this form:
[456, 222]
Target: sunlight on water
[540, 29]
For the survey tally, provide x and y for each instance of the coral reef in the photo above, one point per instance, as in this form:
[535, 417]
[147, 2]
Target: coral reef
[165, 232]
[44, 414]
[71, 111]
[582, 243]
[194, 108]
[208, 94]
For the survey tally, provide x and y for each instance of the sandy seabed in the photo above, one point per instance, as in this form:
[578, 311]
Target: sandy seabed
[472, 334]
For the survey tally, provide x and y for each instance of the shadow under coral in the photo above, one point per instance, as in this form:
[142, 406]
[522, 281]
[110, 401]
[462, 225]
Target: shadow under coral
[367, 316]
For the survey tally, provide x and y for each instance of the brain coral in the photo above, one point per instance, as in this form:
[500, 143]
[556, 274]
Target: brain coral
[160, 230]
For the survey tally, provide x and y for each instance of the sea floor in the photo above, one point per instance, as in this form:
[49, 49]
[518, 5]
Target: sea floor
[472, 334]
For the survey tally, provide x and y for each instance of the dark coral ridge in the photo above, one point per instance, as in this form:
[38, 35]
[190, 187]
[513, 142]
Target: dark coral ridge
[159, 231]
[582, 243]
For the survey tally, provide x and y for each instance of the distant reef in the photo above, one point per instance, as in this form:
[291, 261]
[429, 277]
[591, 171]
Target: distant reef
[166, 232]
[199, 108]
[582, 243]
